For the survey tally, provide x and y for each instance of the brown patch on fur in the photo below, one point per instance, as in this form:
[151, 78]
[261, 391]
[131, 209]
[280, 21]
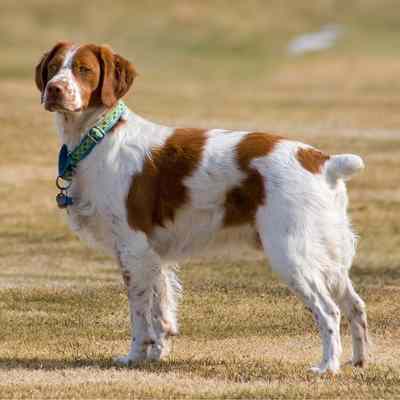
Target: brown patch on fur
[312, 160]
[87, 71]
[242, 201]
[360, 364]
[158, 192]
[103, 76]
[117, 75]
[127, 278]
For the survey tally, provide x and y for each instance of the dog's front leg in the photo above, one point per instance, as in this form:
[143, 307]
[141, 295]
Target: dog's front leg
[140, 270]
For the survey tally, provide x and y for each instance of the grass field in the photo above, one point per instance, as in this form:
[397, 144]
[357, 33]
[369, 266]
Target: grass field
[63, 309]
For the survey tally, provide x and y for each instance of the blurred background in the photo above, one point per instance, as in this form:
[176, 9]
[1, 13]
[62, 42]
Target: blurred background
[322, 71]
[229, 60]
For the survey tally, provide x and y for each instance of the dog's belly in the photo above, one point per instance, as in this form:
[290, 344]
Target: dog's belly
[200, 232]
[192, 232]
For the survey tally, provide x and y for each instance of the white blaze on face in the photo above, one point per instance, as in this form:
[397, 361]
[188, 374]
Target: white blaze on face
[65, 76]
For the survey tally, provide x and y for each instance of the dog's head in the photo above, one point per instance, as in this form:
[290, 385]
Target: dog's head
[72, 78]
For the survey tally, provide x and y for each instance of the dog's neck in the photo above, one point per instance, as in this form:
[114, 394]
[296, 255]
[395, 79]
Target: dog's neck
[73, 125]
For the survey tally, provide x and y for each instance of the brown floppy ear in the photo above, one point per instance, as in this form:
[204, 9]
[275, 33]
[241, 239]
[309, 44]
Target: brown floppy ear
[117, 76]
[41, 68]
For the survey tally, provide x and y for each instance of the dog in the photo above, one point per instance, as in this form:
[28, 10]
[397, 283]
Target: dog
[150, 195]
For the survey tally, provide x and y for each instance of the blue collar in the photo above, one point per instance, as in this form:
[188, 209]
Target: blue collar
[68, 160]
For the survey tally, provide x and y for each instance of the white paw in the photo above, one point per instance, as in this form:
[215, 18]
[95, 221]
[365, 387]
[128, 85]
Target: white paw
[155, 353]
[123, 361]
[159, 351]
[331, 367]
[130, 359]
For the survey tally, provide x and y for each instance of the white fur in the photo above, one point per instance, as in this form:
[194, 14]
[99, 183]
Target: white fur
[303, 227]
[65, 76]
[343, 166]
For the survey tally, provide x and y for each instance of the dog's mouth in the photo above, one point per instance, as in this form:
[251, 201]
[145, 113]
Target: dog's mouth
[53, 106]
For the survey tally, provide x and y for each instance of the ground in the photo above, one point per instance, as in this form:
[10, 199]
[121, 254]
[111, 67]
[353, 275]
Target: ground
[63, 309]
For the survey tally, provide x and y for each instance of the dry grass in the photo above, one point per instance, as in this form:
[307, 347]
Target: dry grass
[63, 310]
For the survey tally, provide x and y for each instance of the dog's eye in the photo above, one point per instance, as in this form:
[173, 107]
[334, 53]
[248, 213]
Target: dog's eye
[52, 69]
[83, 69]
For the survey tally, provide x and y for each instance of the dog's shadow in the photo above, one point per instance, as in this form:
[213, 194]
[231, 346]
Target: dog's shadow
[205, 368]
[51, 364]
[170, 365]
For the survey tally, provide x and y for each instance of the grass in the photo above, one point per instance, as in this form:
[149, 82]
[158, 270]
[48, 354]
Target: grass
[63, 310]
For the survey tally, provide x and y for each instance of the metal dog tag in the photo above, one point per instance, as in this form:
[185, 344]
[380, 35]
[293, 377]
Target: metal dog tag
[63, 201]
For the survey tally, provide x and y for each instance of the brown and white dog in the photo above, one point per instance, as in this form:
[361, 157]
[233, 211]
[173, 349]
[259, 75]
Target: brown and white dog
[150, 194]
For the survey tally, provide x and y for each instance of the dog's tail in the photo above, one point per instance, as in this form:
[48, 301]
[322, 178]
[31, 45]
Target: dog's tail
[343, 166]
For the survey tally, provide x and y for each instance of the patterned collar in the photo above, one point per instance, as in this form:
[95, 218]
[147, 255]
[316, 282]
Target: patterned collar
[68, 160]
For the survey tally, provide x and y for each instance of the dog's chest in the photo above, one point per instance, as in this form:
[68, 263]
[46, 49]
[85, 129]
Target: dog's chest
[97, 212]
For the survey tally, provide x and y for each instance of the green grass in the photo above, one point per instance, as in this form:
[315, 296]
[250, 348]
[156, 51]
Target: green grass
[63, 309]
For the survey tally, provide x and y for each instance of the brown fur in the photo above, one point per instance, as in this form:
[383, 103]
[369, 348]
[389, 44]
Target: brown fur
[89, 79]
[242, 201]
[127, 278]
[104, 77]
[117, 75]
[112, 74]
[158, 192]
[312, 160]
[55, 57]
[361, 364]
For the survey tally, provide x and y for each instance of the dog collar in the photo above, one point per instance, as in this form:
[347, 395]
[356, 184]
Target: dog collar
[68, 160]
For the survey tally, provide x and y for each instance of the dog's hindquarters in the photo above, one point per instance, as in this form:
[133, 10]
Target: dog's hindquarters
[307, 237]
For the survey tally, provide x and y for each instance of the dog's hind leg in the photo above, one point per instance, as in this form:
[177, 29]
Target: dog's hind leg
[353, 308]
[311, 287]
[303, 263]
[316, 297]
[167, 290]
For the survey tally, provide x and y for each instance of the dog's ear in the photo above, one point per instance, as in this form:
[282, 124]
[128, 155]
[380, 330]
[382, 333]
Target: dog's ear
[41, 68]
[117, 75]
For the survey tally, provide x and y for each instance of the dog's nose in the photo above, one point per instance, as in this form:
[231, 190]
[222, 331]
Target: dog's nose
[54, 89]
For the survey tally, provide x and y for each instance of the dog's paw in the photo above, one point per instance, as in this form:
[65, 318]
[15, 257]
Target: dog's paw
[122, 361]
[159, 351]
[130, 359]
[331, 367]
[359, 363]
[317, 370]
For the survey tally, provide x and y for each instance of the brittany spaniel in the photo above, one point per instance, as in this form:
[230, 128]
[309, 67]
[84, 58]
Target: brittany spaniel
[150, 194]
